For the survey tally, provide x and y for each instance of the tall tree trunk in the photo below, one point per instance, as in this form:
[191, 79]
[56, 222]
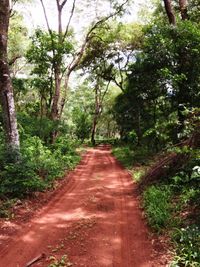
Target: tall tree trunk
[96, 114]
[55, 105]
[6, 90]
[170, 12]
[94, 126]
[183, 9]
[56, 96]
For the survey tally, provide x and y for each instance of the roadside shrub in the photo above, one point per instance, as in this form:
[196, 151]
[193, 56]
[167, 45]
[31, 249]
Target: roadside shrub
[65, 145]
[157, 206]
[42, 160]
[64, 150]
[50, 162]
[37, 167]
[132, 137]
[187, 242]
[18, 179]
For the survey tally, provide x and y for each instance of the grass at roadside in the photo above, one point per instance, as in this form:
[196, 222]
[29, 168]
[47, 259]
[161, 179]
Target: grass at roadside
[171, 205]
[136, 160]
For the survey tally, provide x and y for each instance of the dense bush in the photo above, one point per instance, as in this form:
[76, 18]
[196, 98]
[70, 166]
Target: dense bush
[37, 166]
[187, 242]
[124, 154]
[17, 178]
[180, 194]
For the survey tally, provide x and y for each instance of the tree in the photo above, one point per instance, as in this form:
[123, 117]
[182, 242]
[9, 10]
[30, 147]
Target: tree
[100, 92]
[182, 6]
[62, 64]
[194, 10]
[111, 50]
[161, 78]
[6, 90]
[83, 124]
[17, 44]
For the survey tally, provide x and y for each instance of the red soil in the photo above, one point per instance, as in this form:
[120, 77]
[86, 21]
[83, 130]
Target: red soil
[94, 219]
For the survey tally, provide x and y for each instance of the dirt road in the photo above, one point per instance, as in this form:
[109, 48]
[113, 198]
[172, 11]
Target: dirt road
[95, 220]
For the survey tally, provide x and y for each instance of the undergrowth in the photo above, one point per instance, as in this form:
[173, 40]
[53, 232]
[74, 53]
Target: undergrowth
[171, 204]
[157, 206]
[135, 159]
[37, 168]
[187, 246]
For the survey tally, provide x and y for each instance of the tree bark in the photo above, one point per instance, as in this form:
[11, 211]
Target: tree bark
[170, 12]
[56, 97]
[183, 9]
[6, 90]
[94, 126]
[96, 115]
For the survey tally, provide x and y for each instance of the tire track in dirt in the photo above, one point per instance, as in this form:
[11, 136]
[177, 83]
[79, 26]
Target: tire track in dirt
[96, 221]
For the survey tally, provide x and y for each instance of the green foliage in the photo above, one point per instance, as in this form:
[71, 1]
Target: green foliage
[125, 155]
[50, 162]
[37, 167]
[62, 262]
[157, 206]
[138, 172]
[18, 39]
[46, 50]
[38, 126]
[175, 206]
[160, 78]
[83, 124]
[48, 53]
[129, 155]
[189, 175]
[64, 150]
[43, 161]
[187, 242]
[18, 178]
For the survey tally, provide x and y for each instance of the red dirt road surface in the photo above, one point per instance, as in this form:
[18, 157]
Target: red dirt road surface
[95, 220]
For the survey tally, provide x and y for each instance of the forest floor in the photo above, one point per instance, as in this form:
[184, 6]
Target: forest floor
[92, 220]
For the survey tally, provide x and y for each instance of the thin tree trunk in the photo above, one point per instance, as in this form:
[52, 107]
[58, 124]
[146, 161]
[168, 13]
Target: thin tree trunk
[170, 12]
[96, 115]
[6, 90]
[94, 126]
[55, 105]
[56, 97]
[63, 101]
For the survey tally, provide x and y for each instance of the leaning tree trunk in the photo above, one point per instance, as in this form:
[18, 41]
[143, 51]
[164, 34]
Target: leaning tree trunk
[6, 90]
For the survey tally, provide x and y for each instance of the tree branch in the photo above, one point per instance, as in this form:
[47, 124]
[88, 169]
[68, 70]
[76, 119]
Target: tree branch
[70, 18]
[79, 55]
[13, 60]
[63, 4]
[46, 18]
